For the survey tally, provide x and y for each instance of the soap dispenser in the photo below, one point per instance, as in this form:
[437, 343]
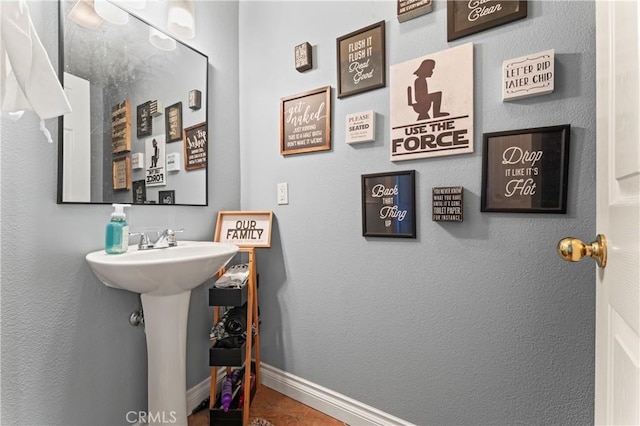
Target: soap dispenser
[117, 232]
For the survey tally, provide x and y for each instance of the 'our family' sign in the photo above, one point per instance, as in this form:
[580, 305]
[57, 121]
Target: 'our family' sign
[244, 229]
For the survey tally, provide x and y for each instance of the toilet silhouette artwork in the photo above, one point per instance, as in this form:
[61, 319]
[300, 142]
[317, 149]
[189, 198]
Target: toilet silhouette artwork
[420, 99]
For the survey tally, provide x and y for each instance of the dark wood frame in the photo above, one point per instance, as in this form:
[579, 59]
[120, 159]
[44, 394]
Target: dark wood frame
[456, 33]
[142, 111]
[170, 193]
[187, 134]
[304, 61]
[489, 189]
[411, 211]
[168, 121]
[284, 104]
[380, 52]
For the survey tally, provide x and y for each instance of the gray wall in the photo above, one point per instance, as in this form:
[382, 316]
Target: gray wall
[471, 323]
[69, 356]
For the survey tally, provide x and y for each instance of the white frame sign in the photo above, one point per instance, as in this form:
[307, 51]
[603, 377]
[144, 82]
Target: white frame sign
[527, 76]
[360, 127]
[244, 228]
[431, 105]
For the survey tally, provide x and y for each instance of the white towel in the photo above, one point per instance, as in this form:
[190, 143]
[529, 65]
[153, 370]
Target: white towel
[28, 78]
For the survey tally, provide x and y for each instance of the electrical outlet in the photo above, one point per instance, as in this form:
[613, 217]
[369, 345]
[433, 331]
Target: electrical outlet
[283, 193]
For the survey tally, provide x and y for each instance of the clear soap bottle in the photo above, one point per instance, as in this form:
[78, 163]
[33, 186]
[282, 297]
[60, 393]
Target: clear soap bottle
[117, 232]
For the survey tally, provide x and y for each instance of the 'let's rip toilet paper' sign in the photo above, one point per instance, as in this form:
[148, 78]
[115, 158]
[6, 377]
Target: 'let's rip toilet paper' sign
[527, 76]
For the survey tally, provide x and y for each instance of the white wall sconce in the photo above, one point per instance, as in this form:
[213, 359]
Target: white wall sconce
[181, 18]
[110, 12]
[84, 15]
[160, 40]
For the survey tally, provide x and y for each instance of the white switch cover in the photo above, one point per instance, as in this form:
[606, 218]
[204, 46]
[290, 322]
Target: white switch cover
[283, 193]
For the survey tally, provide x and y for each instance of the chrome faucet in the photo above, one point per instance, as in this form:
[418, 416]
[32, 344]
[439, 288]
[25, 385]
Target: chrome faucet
[164, 239]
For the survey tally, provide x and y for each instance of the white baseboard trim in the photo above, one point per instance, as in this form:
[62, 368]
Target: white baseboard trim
[199, 392]
[333, 404]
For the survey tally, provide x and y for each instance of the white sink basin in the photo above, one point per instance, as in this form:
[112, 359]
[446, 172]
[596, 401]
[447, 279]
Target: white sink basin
[162, 272]
[164, 278]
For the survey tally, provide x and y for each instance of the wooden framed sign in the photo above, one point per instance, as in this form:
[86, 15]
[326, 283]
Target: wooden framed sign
[361, 60]
[465, 17]
[389, 204]
[173, 122]
[526, 171]
[121, 173]
[409, 9]
[305, 122]
[121, 127]
[195, 147]
[244, 228]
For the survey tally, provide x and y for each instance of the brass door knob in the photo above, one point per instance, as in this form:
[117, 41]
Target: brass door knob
[573, 250]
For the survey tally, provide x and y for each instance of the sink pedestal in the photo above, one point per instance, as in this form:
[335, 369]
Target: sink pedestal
[165, 319]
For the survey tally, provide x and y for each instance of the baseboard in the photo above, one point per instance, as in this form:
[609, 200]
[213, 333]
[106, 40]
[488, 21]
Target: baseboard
[325, 400]
[200, 392]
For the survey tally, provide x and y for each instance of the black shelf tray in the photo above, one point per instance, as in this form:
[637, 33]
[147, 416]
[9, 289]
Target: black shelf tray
[233, 417]
[228, 296]
[227, 357]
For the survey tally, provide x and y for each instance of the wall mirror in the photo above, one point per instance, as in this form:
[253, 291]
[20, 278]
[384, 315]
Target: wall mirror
[138, 130]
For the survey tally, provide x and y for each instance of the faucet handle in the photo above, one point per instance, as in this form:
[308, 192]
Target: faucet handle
[171, 236]
[144, 242]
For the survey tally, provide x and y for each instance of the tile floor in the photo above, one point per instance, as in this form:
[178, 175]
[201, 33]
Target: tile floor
[278, 409]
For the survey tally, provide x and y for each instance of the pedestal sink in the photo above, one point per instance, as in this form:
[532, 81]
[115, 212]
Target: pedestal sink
[164, 279]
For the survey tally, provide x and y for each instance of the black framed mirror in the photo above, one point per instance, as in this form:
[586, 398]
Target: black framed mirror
[133, 90]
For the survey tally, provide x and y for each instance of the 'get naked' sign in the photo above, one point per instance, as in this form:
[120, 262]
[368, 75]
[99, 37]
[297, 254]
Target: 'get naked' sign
[244, 229]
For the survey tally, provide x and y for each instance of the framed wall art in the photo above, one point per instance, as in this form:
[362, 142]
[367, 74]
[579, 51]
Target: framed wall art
[195, 147]
[469, 17]
[167, 197]
[121, 173]
[121, 127]
[389, 204]
[244, 228]
[305, 122]
[139, 192]
[409, 9]
[303, 57]
[173, 122]
[431, 105]
[143, 120]
[526, 171]
[361, 60]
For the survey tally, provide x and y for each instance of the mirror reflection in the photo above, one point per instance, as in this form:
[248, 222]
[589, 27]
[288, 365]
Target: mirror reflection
[138, 131]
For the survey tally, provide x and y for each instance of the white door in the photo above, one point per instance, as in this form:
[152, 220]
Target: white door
[76, 176]
[617, 381]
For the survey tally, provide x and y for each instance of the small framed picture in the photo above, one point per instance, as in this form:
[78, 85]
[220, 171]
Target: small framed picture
[469, 17]
[144, 122]
[173, 122]
[389, 204]
[304, 57]
[361, 60]
[195, 147]
[167, 197]
[526, 171]
[244, 228]
[305, 122]
[139, 192]
[121, 174]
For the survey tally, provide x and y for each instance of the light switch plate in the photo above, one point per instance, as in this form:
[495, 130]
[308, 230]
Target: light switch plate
[283, 193]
